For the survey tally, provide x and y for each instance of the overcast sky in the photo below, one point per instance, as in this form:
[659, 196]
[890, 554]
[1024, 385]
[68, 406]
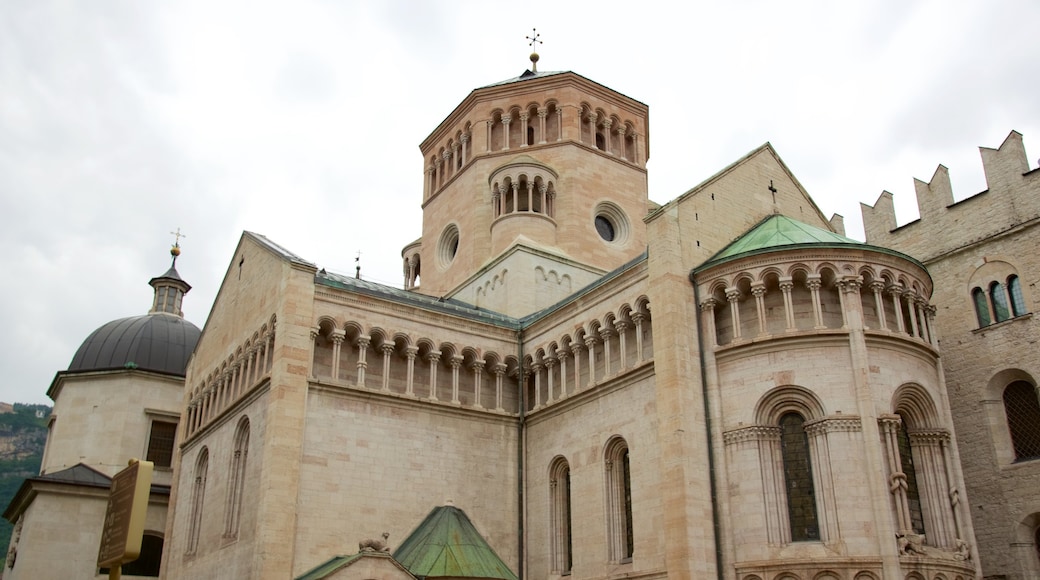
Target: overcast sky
[123, 121]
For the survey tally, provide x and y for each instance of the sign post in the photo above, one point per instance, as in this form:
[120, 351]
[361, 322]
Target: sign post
[125, 517]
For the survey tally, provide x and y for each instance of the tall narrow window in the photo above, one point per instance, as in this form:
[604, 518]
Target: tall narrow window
[906, 462]
[801, 496]
[999, 298]
[1018, 302]
[560, 490]
[621, 540]
[198, 495]
[981, 307]
[160, 443]
[237, 479]
[1023, 417]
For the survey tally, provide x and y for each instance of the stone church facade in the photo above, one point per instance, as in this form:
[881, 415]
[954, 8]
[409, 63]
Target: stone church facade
[982, 254]
[723, 386]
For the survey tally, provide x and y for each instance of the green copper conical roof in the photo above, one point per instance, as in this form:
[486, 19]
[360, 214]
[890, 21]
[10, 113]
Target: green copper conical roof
[447, 544]
[779, 232]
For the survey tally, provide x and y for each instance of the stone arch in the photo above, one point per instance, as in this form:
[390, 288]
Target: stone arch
[785, 399]
[913, 401]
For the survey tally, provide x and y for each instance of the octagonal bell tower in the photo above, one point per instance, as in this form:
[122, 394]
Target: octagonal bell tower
[534, 187]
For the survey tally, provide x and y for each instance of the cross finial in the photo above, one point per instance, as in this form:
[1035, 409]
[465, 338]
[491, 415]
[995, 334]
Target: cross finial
[534, 40]
[175, 250]
[177, 237]
[357, 265]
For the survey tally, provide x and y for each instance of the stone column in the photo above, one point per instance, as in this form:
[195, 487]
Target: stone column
[786, 285]
[550, 362]
[576, 350]
[505, 134]
[708, 313]
[559, 118]
[758, 290]
[490, 122]
[477, 366]
[516, 197]
[733, 295]
[561, 355]
[897, 485]
[523, 130]
[410, 352]
[362, 344]
[338, 336]
[606, 136]
[500, 371]
[542, 114]
[878, 288]
[455, 362]
[911, 299]
[637, 319]
[388, 351]
[464, 138]
[433, 357]
[590, 345]
[542, 189]
[814, 283]
[496, 200]
[605, 334]
[897, 292]
[536, 370]
[621, 326]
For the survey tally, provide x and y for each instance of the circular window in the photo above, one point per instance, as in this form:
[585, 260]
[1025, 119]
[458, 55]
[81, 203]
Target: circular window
[611, 223]
[604, 228]
[449, 245]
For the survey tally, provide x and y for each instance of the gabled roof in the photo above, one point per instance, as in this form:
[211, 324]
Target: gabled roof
[79, 475]
[447, 545]
[779, 232]
[328, 567]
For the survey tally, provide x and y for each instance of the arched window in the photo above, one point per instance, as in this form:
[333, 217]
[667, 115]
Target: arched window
[198, 495]
[619, 501]
[601, 142]
[1023, 418]
[999, 299]
[237, 479]
[981, 307]
[1018, 302]
[801, 496]
[560, 506]
[906, 462]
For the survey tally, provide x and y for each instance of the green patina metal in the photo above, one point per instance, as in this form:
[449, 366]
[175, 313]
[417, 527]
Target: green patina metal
[779, 232]
[446, 544]
[326, 568]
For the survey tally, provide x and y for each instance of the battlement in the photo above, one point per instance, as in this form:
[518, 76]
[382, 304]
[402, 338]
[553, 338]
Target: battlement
[1012, 198]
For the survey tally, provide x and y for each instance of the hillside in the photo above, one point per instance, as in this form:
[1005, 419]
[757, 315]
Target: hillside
[23, 432]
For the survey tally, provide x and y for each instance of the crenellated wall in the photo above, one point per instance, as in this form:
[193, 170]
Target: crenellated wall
[945, 225]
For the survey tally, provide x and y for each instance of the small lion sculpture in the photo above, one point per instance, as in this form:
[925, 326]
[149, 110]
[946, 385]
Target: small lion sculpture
[372, 545]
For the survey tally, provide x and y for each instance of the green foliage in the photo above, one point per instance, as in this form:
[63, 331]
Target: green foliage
[24, 425]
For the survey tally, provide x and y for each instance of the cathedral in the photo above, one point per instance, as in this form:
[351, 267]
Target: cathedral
[576, 381]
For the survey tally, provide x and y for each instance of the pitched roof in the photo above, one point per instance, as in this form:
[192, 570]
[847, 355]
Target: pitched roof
[328, 567]
[447, 544]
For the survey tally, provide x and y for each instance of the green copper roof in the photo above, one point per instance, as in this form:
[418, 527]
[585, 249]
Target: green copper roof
[779, 231]
[326, 568]
[447, 544]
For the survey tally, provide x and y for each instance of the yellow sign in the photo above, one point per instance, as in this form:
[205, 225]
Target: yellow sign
[125, 516]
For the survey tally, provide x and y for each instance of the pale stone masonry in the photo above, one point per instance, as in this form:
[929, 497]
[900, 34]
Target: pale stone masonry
[986, 238]
[722, 386]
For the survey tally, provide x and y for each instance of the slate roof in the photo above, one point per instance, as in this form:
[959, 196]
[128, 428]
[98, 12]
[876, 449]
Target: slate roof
[447, 545]
[156, 342]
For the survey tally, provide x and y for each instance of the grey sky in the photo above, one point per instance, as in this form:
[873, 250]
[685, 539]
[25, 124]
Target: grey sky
[122, 121]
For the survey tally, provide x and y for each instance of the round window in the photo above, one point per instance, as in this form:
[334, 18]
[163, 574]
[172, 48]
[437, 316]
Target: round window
[449, 245]
[604, 228]
[610, 223]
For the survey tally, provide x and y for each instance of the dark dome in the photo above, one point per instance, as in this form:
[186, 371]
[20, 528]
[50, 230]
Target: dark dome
[154, 342]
